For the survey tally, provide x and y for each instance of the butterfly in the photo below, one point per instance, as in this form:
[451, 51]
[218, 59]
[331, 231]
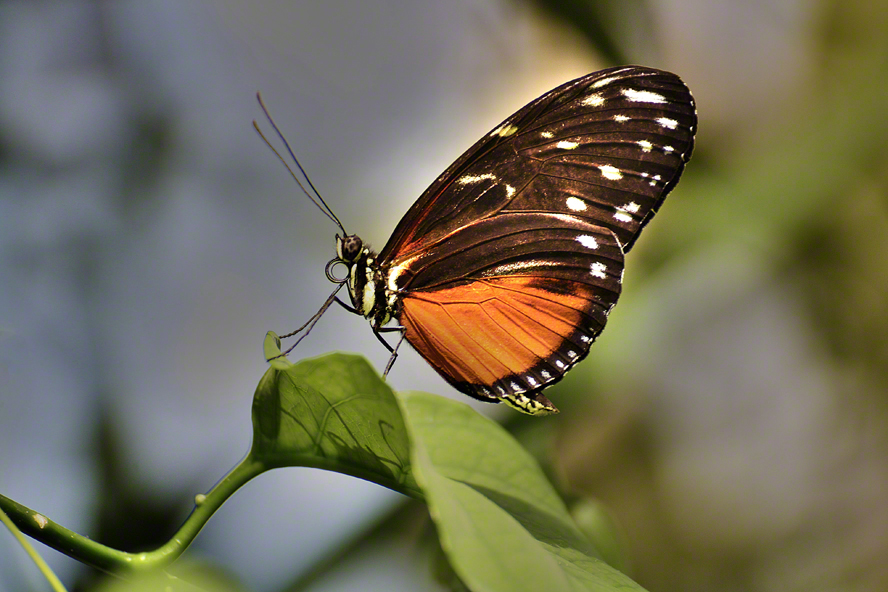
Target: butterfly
[503, 272]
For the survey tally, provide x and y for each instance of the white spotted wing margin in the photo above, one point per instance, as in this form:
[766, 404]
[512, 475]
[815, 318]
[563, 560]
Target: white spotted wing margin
[607, 148]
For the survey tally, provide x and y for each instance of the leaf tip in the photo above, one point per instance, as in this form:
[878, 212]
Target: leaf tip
[272, 350]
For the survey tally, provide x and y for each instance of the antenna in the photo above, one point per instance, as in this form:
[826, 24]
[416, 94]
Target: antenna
[319, 202]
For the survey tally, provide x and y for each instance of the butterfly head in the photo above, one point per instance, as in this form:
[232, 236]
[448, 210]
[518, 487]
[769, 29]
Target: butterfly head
[349, 248]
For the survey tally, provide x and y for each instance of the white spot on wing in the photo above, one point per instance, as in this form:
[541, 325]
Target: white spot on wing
[621, 118]
[547, 135]
[624, 213]
[604, 82]
[654, 180]
[587, 241]
[564, 218]
[475, 178]
[593, 100]
[666, 122]
[510, 191]
[395, 272]
[565, 145]
[571, 354]
[610, 172]
[545, 374]
[505, 130]
[645, 145]
[513, 267]
[531, 380]
[642, 96]
[668, 149]
[622, 216]
[576, 204]
[559, 363]
[598, 269]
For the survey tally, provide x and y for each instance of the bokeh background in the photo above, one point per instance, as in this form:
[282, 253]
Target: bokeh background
[732, 418]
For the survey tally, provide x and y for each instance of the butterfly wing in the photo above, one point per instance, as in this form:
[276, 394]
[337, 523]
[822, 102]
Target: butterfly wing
[507, 266]
[508, 304]
[607, 148]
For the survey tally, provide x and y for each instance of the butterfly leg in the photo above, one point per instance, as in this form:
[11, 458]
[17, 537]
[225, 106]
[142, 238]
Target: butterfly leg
[309, 325]
[394, 350]
[347, 307]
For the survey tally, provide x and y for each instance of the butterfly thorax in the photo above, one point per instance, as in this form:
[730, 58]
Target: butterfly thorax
[367, 281]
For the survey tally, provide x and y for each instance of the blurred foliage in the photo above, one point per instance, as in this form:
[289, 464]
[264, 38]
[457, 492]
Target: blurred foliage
[185, 576]
[845, 278]
[595, 21]
[843, 253]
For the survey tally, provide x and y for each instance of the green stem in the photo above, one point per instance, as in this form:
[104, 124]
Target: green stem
[34, 555]
[111, 560]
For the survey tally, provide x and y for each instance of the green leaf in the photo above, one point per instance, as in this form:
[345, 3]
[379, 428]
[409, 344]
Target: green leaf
[600, 527]
[502, 525]
[184, 576]
[272, 350]
[500, 522]
[333, 412]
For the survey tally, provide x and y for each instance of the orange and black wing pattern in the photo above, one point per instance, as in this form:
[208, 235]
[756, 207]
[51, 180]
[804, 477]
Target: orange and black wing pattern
[506, 267]
[507, 305]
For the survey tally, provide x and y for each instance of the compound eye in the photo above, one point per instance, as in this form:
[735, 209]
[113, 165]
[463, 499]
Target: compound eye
[351, 247]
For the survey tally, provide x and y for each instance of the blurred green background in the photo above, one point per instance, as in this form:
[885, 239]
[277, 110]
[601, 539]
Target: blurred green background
[732, 417]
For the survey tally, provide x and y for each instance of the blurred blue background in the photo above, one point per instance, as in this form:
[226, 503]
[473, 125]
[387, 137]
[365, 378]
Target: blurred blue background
[732, 417]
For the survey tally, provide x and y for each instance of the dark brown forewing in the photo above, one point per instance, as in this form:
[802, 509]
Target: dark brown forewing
[607, 147]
